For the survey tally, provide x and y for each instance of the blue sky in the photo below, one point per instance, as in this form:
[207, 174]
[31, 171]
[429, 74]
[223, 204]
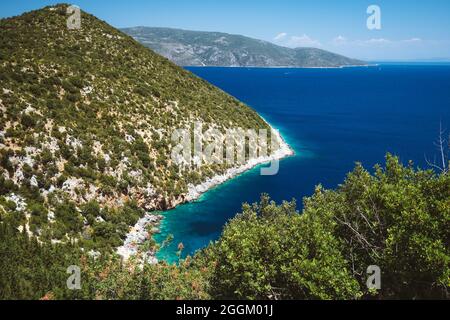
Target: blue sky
[409, 29]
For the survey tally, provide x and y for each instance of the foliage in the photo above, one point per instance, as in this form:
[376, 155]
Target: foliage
[83, 137]
[29, 269]
[272, 252]
[87, 116]
[396, 219]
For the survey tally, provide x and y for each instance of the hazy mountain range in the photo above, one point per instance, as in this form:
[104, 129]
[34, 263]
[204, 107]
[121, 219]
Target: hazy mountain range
[198, 48]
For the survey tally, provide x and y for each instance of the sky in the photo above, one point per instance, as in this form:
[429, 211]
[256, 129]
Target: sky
[409, 30]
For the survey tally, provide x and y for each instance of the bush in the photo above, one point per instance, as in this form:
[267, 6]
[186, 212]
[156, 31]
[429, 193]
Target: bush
[73, 97]
[270, 252]
[6, 186]
[397, 219]
[28, 121]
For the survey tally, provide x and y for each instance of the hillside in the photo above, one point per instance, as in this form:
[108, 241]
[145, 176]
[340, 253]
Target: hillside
[85, 128]
[195, 48]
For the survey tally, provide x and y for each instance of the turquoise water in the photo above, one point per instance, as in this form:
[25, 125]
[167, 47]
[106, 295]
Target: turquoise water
[332, 118]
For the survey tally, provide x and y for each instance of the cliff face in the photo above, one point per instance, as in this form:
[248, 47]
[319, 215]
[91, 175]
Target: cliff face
[85, 127]
[195, 48]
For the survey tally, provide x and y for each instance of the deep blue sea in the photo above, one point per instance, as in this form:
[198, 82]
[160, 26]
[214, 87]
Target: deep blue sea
[332, 118]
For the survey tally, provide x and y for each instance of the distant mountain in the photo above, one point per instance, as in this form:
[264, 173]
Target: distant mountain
[196, 48]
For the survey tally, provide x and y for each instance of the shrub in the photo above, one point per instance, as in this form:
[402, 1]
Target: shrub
[397, 219]
[28, 120]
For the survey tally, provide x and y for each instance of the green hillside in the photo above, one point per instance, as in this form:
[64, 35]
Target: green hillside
[85, 127]
[198, 48]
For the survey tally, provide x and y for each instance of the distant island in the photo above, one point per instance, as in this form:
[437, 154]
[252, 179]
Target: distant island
[198, 48]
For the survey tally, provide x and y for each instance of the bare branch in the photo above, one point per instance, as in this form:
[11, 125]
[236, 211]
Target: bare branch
[441, 145]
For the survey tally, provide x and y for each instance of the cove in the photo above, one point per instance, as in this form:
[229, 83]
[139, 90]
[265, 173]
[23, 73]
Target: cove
[332, 118]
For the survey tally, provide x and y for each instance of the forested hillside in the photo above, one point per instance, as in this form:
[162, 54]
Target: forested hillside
[85, 128]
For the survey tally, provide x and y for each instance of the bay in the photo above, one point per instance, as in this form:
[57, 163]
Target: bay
[332, 118]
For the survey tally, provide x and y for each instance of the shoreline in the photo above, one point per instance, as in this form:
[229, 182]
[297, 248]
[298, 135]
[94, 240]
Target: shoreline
[139, 232]
[284, 150]
[286, 67]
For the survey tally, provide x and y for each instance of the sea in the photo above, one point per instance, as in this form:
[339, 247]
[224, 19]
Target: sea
[332, 118]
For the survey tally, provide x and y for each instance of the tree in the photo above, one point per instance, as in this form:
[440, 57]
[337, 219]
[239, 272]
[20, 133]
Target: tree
[273, 252]
[397, 219]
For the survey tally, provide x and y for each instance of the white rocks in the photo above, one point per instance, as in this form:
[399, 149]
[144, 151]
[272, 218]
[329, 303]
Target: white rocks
[137, 236]
[97, 148]
[51, 144]
[139, 233]
[129, 138]
[20, 161]
[149, 258]
[51, 216]
[135, 174]
[86, 90]
[110, 36]
[21, 205]
[33, 181]
[126, 162]
[62, 130]
[194, 192]
[71, 185]
[94, 254]
[149, 190]
[29, 109]
[92, 193]
[45, 193]
[31, 150]
[18, 176]
[73, 142]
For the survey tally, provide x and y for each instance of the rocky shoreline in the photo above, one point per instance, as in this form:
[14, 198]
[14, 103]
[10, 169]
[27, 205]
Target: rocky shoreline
[139, 233]
[284, 150]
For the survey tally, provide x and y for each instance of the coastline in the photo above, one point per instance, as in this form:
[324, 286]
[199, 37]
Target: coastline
[284, 150]
[287, 67]
[139, 232]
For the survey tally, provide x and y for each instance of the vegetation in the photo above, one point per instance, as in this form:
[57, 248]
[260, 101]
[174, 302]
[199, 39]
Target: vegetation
[199, 48]
[85, 126]
[86, 116]
[397, 219]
